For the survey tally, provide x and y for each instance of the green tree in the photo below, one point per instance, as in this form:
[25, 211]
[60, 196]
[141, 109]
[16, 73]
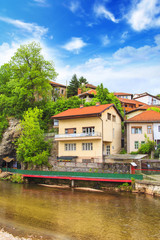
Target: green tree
[104, 97]
[25, 79]
[147, 147]
[73, 86]
[82, 80]
[32, 149]
[156, 109]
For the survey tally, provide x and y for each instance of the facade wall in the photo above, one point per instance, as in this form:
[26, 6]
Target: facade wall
[156, 131]
[132, 138]
[111, 135]
[112, 130]
[96, 153]
[149, 100]
[132, 114]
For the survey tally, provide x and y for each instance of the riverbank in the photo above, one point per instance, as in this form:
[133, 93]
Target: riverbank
[7, 236]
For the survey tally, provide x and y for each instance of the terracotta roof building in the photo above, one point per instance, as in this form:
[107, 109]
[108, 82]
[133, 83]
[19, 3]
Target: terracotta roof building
[145, 123]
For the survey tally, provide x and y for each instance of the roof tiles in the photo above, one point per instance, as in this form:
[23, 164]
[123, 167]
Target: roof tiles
[147, 116]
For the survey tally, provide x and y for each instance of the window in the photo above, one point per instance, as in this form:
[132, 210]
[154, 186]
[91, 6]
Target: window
[70, 147]
[108, 116]
[136, 144]
[149, 129]
[88, 130]
[136, 130]
[113, 118]
[159, 128]
[87, 146]
[56, 122]
[108, 150]
[70, 130]
[62, 91]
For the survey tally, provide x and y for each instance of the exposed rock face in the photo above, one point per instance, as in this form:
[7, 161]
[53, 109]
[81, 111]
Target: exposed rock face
[11, 133]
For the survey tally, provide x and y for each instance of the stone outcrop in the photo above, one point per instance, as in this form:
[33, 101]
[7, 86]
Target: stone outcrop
[11, 133]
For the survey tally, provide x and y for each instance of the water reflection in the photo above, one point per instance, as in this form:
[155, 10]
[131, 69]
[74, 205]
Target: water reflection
[67, 214]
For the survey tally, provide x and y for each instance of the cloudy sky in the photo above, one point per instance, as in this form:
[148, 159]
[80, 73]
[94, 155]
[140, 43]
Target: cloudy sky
[114, 42]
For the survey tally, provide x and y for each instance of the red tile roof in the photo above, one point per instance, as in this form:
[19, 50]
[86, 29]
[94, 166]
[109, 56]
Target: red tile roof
[89, 92]
[147, 116]
[122, 94]
[90, 86]
[124, 100]
[54, 84]
[84, 112]
[144, 107]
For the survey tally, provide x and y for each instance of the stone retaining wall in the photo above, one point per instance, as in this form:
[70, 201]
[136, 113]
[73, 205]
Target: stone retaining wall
[148, 187]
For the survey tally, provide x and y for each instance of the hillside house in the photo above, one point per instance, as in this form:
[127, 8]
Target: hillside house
[148, 123]
[88, 134]
[147, 98]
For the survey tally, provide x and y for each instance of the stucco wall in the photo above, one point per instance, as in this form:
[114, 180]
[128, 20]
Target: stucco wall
[131, 138]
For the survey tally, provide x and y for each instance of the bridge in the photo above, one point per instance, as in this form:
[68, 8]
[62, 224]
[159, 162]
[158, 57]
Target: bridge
[82, 176]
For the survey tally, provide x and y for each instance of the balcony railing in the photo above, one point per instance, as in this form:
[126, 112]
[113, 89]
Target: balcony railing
[76, 135]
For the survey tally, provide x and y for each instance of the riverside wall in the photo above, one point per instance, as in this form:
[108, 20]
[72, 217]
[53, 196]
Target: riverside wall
[148, 187]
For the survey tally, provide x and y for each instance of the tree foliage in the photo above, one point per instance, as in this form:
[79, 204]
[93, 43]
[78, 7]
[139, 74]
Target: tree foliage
[156, 109]
[147, 147]
[104, 97]
[31, 146]
[25, 80]
[74, 84]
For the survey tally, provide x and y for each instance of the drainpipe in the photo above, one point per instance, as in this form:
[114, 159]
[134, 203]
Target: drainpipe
[102, 140]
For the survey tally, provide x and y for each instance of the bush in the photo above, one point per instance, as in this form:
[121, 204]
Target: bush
[17, 178]
[147, 147]
[157, 152]
[123, 151]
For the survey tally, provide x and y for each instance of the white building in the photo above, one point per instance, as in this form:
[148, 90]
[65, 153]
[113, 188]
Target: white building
[147, 98]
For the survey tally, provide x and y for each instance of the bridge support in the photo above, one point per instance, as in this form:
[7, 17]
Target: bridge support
[72, 183]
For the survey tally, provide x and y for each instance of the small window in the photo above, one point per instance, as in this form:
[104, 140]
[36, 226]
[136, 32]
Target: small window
[62, 91]
[136, 144]
[113, 118]
[108, 150]
[149, 129]
[108, 116]
[136, 130]
[70, 130]
[87, 146]
[159, 128]
[70, 147]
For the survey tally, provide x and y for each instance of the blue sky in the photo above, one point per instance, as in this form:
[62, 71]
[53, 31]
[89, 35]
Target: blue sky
[114, 42]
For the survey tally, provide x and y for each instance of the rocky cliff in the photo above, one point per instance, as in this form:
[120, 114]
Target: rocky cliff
[11, 133]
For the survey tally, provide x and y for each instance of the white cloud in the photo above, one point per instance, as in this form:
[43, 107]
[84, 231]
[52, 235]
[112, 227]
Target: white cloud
[145, 53]
[145, 15]
[101, 11]
[32, 28]
[124, 37]
[74, 6]
[105, 40]
[74, 45]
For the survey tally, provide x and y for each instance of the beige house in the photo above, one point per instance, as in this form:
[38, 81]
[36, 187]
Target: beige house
[88, 134]
[148, 123]
[58, 90]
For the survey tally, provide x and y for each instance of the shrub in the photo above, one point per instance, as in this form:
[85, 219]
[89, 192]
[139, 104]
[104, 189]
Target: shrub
[17, 178]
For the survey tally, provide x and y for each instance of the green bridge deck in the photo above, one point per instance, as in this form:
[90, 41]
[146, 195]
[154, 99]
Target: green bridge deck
[88, 176]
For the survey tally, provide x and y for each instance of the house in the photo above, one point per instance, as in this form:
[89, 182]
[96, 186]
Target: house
[88, 95]
[88, 134]
[129, 105]
[147, 98]
[148, 123]
[59, 90]
[136, 111]
[123, 95]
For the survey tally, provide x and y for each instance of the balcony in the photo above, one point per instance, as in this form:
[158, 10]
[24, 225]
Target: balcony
[78, 136]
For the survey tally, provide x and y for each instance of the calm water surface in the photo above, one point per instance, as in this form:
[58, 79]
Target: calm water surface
[47, 213]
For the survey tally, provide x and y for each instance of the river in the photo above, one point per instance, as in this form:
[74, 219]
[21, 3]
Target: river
[36, 212]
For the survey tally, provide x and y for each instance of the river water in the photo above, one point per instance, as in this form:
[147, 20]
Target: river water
[36, 212]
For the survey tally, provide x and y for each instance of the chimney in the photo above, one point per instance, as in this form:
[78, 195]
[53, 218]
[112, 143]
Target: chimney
[79, 91]
[81, 106]
[98, 103]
